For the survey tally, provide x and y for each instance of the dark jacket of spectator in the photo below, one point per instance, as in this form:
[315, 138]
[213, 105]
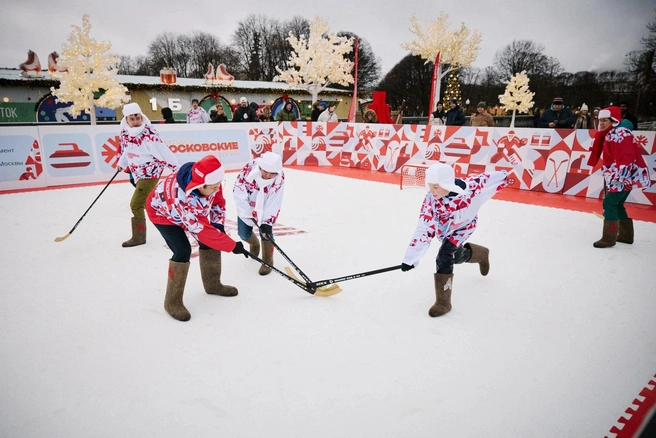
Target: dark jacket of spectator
[455, 116]
[245, 114]
[563, 119]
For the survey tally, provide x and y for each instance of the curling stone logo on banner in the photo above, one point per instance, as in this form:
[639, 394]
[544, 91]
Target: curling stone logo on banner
[68, 154]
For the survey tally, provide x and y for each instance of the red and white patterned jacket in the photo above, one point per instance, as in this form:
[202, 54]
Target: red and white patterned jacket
[253, 201]
[623, 166]
[145, 155]
[169, 204]
[453, 217]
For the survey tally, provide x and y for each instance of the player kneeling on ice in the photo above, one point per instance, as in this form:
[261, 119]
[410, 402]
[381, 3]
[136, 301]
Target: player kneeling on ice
[450, 213]
[144, 155]
[258, 194]
[192, 200]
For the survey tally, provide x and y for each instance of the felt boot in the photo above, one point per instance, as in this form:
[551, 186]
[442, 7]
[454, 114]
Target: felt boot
[625, 234]
[443, 284]
[609, 236]
[480, 255]
[254, 245]
[210, 272]
[138, 233]
[175, 289]
[267, 256]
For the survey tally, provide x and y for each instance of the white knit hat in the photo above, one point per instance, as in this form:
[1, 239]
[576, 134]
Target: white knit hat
[243, 100]
[270, 162]
[131, 108]
[443, 175]
[584, 107]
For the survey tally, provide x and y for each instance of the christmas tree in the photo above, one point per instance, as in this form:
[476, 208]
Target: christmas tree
[517, 96]
[90, 80]
[452, 89]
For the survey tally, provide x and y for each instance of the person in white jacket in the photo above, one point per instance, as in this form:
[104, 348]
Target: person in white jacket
[328, 115]
[450, 213]
[258, 193]
[145, 156]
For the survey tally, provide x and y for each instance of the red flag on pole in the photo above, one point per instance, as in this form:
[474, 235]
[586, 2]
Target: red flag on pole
[436, 73]
[354, 102]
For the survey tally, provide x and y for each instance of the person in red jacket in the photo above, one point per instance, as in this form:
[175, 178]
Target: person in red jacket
[191, 200]
[624, 170]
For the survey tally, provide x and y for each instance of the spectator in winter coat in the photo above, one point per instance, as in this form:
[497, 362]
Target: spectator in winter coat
[328, 115]
[450, 213]
[191, 200]
[594, 120]
[286, 114]
[558, 116]
[626, 115]
[455, 116]
[317, 108]
[244, 113]
[583, 120]
[145, 156]
[258, 194]
[266, 115]
[167, 115]
[218, 115]
[438, 116]
[481, 118]
[197, 114]
[624, 170]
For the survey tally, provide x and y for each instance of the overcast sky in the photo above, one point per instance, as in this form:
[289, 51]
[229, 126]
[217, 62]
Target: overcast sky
[582, 35]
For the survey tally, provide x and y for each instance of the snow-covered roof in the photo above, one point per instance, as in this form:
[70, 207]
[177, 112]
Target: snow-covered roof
[14, 75]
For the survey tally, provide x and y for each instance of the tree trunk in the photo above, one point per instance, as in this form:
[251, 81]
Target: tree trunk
[92, 115]
[512, 121]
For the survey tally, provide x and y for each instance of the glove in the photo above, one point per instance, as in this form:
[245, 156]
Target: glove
[266, 231]
[406, 268]
[239, 249]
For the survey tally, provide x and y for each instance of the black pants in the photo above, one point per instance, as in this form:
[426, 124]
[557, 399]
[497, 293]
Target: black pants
[177, 240]
[450, 255]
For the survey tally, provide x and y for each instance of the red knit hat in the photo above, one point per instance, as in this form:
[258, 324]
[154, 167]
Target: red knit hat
[206, 171]
[612, 112]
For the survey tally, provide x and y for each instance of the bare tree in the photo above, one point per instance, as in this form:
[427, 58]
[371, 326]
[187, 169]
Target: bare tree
[409, 80]
[368, 63]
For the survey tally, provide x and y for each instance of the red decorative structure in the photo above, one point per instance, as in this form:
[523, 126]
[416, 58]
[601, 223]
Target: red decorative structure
[381, 108]
[31, 65]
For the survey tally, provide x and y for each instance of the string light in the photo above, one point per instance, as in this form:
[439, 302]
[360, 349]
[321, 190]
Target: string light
[91, 77]
[318, 61]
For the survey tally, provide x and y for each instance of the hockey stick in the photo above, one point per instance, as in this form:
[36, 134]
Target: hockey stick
[309, 289]
[275, 245]
[306, 279]
[62, 238]
[354, 276]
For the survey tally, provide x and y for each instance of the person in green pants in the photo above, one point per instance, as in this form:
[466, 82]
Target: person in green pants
[145, 156]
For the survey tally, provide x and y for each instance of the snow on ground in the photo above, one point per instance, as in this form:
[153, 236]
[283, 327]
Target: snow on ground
[556, 341]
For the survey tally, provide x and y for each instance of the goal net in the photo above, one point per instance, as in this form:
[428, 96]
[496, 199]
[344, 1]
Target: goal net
[413, 175]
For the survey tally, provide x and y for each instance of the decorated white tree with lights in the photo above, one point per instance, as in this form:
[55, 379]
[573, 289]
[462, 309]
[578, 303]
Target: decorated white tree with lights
[318, 61]
[517, 96]
[90, 80]
[457, 47]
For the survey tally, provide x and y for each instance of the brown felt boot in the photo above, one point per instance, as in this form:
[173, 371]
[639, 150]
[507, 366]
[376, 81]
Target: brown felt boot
[480, 255]
[609, 236]
[210, 272]
[267, 256]
[625, 235]
[138, 233]
[443, 284]
[175, 289]
[254, 245]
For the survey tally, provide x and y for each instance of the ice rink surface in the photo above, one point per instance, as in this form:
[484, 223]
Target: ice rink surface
[556, 341]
